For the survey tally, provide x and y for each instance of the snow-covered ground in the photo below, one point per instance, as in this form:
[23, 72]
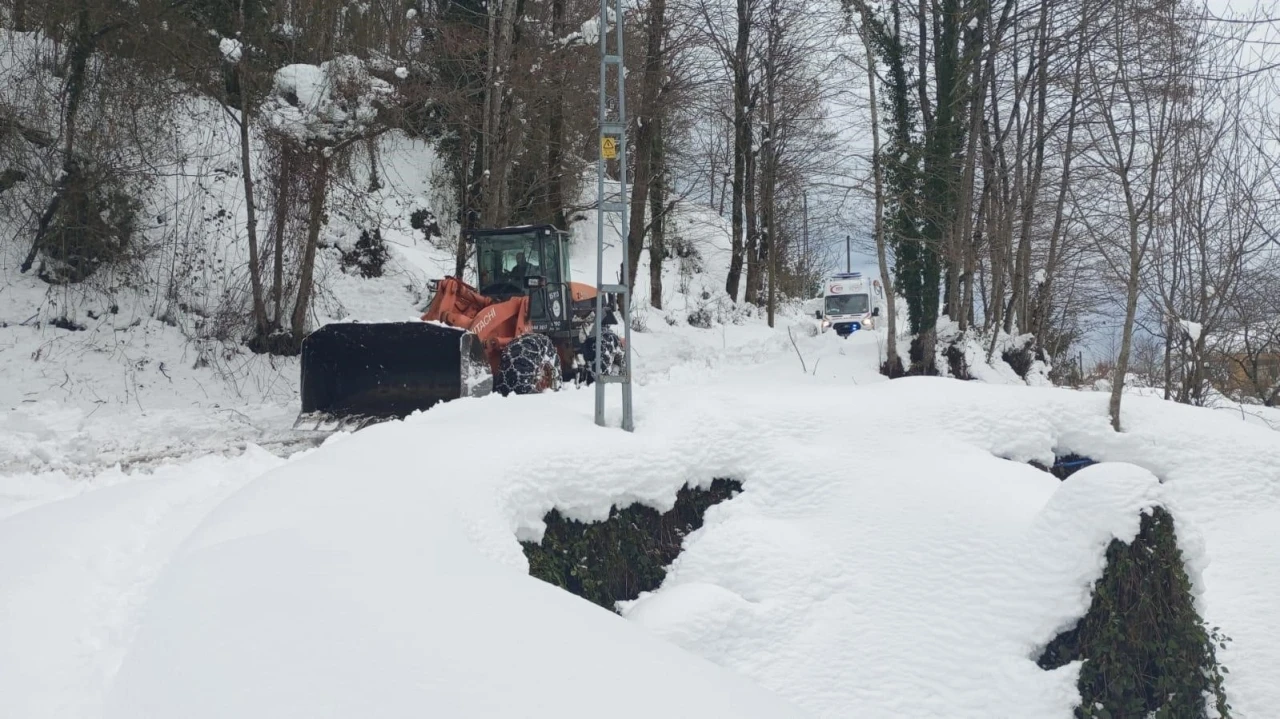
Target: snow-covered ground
[169, 547]
[892, 555]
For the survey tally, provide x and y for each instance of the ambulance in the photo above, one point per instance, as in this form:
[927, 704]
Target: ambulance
[850, 302]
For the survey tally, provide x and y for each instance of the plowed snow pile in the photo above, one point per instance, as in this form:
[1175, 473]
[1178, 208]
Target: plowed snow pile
[892, 555]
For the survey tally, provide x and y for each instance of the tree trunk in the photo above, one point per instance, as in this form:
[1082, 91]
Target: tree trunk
[251, 223]
[768, 211]
[1039, 93]
[555, 211]
[657, 208]
[319, 189]
[1126, 337]
[1040, 321]
[645, 138]
[741, 142]
[968, 228]
[250, 205]
[772, 248]
[771, 150]
[713, 179]
[79, 53]
[894, 365]
[283, 199]
[497, 123]
[922, 63]
[752, 248]
[472, 169]
[942, 180]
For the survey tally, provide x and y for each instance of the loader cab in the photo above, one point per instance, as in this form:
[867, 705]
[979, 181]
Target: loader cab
[528, 260]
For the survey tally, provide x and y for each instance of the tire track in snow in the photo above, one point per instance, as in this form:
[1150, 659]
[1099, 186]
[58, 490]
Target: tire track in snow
[81, 595]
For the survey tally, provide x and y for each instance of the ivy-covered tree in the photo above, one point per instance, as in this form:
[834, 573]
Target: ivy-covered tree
[922, 158]
[902, 154]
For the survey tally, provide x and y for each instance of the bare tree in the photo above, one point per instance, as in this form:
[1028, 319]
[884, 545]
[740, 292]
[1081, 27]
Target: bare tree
[1134, 75]
[892, 362]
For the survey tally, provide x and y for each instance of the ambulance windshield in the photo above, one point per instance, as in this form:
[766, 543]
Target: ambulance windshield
[846, 304]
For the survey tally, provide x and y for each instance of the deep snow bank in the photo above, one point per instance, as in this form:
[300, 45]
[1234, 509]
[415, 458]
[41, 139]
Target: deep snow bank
[314, 600]
[892, 554]
[76, 570]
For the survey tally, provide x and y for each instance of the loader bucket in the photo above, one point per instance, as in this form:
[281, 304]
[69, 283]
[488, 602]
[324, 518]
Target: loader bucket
[357, 373]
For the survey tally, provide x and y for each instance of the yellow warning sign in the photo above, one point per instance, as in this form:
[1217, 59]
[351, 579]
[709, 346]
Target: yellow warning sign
[609, 148]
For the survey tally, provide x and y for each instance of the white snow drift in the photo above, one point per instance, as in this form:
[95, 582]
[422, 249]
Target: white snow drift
[892, 555]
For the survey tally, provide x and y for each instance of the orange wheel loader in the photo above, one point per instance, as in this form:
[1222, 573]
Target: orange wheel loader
[524, 328]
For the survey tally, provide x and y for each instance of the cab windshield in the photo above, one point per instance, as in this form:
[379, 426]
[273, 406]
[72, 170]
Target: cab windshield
[509, 260]
[846, 304]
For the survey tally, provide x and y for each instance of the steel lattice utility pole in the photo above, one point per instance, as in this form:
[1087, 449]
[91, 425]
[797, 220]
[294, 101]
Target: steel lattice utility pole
[613, 143]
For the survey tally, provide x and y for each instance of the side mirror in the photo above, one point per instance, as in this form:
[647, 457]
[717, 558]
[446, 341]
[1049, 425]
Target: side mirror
[817, 315]
[535, 282]
[875, 312]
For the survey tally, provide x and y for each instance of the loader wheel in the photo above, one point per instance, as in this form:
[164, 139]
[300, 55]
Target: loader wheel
[528, 365]
[612, 359]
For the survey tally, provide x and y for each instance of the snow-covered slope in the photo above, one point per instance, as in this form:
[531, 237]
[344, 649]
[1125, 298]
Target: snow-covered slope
[148, 381]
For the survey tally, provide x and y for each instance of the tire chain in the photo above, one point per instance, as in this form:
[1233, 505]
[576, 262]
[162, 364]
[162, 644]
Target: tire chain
[525, 363]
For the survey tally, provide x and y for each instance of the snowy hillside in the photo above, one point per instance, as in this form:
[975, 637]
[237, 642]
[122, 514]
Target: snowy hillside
[145, 361]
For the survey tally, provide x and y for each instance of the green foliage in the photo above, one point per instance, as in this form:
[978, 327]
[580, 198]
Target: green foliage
[911, 173]
[901, 157]
[1147, 653]
[617, 559]
[922, 164]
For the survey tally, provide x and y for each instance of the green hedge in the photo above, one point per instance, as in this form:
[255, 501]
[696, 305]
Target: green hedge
[1147, 653]
[618, 558]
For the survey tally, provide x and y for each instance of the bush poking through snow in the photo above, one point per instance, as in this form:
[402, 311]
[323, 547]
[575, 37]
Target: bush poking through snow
[424, 221]
[65, 323]
[640, 318]
[1022, 356]
[94, 226]
[893, 372]
[368, 256]
[956, 363]
[1147, 653]
[626, 554]
[701, 318]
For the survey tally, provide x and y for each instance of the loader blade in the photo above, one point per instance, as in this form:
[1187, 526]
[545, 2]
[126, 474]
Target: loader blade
[355, 374]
